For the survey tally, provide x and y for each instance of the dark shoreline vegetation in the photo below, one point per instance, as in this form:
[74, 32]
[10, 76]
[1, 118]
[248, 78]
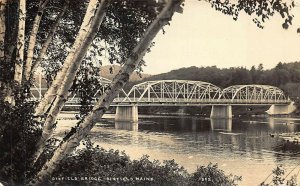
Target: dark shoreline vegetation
[115, 168]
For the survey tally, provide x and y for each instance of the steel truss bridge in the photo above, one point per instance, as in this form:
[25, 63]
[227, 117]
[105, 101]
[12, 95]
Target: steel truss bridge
[185, 93]
[193, 93]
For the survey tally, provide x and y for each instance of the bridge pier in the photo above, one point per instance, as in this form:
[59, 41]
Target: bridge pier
[221, 112]
[127, 114]
[281, 109]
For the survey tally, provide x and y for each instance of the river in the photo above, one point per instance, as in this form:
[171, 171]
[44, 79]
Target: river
[240, 146]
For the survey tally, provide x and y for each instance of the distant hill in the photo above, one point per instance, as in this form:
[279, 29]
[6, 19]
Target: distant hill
[105, 72]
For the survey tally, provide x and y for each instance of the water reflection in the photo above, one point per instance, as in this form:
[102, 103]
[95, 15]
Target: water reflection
[291, 127]
[282, 124]
[251, 128]
[221, 124]
[249, 137]
[194, 124]
[131, 126]
[241, 144]
[271, 123]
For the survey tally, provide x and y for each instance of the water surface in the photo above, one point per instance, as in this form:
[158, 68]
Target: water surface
[239, 146]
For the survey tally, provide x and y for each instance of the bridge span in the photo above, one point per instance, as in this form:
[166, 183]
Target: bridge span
[198, 93]
[193, 93]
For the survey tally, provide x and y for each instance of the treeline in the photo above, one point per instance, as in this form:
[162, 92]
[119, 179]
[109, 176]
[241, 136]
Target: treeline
[285, 76]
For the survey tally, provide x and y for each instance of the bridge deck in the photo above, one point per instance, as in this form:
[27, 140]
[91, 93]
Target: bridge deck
[185, 102]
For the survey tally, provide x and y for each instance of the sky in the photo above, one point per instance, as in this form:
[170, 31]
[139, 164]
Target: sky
[202, 36]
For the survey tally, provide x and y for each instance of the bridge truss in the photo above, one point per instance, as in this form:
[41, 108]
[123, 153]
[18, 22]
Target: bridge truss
[183, 92]
[253, 94]
[38, 89]
[104, 82]
[172, 91]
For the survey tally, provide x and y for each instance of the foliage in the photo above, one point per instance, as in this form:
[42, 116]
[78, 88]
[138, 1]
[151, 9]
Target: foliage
[86, 86]
[115, 168]
[279, 178]
[122, 27]
[211, 175]
[106, 165]
[262, 10]
[7, 67]
[18, 136]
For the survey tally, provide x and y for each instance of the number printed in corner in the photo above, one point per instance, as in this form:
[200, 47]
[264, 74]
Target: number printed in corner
[205, 179]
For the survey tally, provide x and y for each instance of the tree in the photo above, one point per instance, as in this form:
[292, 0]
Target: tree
[70, 143]
[32, 38]
[90, 25]
[20, 42]
[260, 67]
[3, 28]
[240, 76]
[126, 28]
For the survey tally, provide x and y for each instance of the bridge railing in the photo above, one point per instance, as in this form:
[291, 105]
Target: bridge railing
[210, 101]
[126, 100]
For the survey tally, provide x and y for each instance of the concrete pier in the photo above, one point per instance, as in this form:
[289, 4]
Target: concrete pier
[127, 114]
[221, 112]
[281, 109]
